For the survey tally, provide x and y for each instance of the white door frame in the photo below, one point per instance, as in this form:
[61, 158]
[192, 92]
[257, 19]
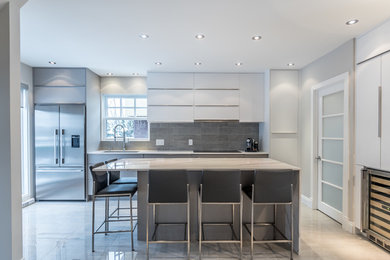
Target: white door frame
[343, 78]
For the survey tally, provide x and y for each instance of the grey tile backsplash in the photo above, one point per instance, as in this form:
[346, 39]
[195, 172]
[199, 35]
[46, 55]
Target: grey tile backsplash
[211, 136]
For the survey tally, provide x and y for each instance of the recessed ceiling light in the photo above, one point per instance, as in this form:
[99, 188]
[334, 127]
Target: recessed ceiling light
[199, 36]
[256, 38]
[109, 74]
[239, 64]
[290, 64]
[351, 22]
[135, 74]
[144, 36]
[198, 63]
[52, 62]
[158, 63]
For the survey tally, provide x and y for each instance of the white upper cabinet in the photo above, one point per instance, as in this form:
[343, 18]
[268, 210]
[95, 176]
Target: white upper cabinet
[251, 97]
[368, 82]
[170, 80]
[185, 97]
[217, 97]
[385, 139]
[216, 81]
[157, 97]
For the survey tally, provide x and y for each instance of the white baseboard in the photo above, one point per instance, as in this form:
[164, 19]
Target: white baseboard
[307, 201]
[348, 226]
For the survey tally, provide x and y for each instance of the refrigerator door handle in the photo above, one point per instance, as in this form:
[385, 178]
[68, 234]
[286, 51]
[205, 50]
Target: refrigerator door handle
[56, 146]
[63, 146]
[380, 111]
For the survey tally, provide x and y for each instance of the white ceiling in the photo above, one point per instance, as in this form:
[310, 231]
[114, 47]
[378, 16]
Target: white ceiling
[104, 35]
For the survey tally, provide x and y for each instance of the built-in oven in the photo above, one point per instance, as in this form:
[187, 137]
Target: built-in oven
[376, 206]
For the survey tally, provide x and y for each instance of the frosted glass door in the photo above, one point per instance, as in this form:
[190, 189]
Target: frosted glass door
[330, 151]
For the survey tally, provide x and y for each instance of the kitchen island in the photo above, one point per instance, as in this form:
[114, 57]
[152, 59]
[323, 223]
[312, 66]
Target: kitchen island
[194, 168]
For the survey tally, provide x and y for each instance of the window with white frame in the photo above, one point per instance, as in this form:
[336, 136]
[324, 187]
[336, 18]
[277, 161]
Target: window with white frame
[129, 111]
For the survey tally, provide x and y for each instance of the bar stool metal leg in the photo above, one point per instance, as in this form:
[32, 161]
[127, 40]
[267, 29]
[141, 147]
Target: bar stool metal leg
[292, 224]
[241, 202]
[107, 209]
[252, 219]
[147, 222]
[93, 223]
[200, 220]
[131, 223]
[188, 222]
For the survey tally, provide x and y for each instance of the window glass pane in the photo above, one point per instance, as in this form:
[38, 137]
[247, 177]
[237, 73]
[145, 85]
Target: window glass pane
[332, 173]
[141, 129]
[332, 150]
[113, 112]
[142, 112]
[113, 102]
[128, 102]
[333, 103]
[333, 126]
[127, 112]
[332, 196]
[141, 102]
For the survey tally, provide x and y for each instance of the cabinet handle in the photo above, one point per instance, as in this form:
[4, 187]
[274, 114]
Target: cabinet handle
[380, 111]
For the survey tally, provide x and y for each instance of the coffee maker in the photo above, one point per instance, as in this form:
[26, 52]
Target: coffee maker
[252, 145]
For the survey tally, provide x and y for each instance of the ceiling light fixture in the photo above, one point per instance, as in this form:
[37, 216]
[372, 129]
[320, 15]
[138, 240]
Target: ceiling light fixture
[109, 74]
[239, 64]
[144, 36]
[256, 38]
[290, 64]
[351, 22]
[135, 74]
[52, 62]
[198, 63]
[199, 36]
[158, 63]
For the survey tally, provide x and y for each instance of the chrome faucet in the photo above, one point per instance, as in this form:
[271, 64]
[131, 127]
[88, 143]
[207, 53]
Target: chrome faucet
[124, 135]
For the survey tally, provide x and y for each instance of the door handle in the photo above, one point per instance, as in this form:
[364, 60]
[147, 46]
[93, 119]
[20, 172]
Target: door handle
[56, 146]
[318, 157]
[63, 146]
[380, 111]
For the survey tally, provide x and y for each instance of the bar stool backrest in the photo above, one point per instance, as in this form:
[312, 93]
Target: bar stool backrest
[273, 186]
[167, 186]
[113, 175]
[221, 186]
[99, 178]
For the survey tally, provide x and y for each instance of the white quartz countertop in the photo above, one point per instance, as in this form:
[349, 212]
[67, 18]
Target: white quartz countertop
[195, 164]
[167, 152]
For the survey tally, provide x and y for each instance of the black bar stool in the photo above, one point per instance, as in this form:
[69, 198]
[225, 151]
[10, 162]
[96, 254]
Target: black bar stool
[101, 189]
[221, 187]
[167, 187]
[114, 177]
[271, 187]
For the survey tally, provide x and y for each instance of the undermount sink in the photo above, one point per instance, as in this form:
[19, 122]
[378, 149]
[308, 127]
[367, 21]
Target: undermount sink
[120, 151]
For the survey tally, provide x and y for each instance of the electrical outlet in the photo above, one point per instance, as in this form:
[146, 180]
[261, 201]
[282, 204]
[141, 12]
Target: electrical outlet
[190, 142]
[159, 142]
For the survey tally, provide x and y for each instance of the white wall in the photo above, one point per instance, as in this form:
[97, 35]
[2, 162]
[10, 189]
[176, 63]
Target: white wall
[93, 111]
[338, 61]
[123, 85]
[10, 178]
[26, 77]
[283, 111]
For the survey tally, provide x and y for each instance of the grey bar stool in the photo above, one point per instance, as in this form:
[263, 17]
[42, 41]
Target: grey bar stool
[167, 187]
[114, 177]
[101, 189]
[221, 187]
[271, 187]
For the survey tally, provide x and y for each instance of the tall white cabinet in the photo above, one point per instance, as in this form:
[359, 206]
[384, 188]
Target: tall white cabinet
[373, 113]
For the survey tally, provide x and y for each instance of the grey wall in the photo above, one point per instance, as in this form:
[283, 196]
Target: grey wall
[332, 64]
[124, 85]
[10, 178]
[206, 136]
[93, 110]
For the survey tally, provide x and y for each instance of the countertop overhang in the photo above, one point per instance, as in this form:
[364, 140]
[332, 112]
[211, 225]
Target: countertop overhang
[171, 152]
[195, 164]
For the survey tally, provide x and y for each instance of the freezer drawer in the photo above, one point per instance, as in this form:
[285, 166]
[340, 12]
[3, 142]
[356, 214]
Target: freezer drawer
[60, 184]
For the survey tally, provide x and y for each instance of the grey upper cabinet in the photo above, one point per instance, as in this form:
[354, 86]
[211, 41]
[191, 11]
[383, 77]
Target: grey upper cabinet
[59, 77]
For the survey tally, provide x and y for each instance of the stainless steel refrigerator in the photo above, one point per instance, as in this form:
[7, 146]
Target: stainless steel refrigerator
[60, 152]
